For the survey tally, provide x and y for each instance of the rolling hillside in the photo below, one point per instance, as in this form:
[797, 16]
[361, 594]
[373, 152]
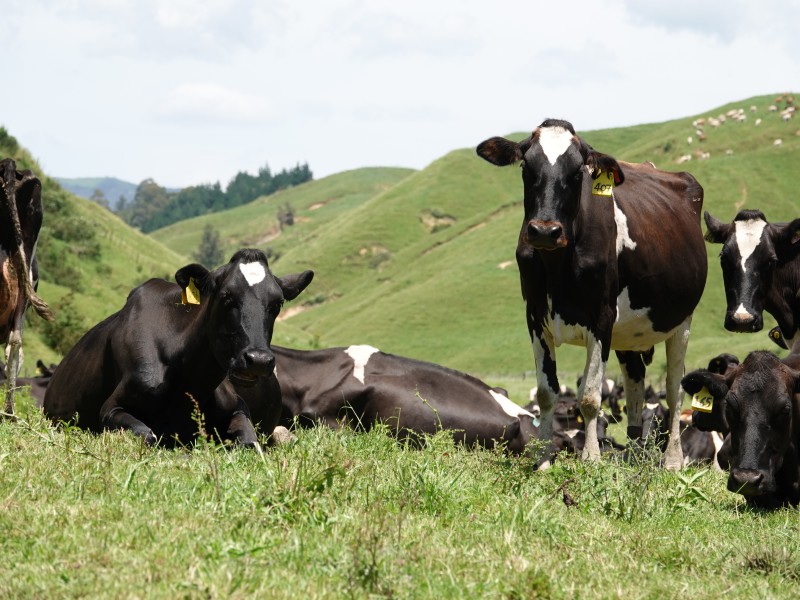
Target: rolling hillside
[88, 258]
[422, 268]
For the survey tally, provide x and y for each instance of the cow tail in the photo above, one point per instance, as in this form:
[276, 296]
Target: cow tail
[19, 259]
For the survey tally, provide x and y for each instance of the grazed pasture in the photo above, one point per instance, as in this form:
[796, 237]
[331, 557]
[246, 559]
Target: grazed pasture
[339, 514]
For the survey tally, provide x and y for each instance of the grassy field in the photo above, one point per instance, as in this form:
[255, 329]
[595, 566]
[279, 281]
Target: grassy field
[443, 290]
[345, 515]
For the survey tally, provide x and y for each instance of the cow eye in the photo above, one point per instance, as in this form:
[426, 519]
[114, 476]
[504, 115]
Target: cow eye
[275, 308]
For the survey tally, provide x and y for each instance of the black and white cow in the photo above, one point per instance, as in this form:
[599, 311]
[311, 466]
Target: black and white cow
[761, 270]
[761, 404]
[20, 221]
[360, 386]
[144, 367]
[611, 256]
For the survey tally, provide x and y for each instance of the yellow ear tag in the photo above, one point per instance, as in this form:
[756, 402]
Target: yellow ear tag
[703, 401]
[603, 185]
[191, 295]
[579, 419]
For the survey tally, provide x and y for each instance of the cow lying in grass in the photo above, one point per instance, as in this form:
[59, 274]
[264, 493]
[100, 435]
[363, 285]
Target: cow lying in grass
[757, 401]
[163, 358]
[360, 386]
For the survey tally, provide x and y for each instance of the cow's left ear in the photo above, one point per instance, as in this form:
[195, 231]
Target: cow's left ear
[194, 271]
[603, 163]
[718, 231]
[789, 233]
[292, 285]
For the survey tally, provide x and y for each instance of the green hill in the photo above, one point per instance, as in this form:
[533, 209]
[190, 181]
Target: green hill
[422, 268]
[88, 258]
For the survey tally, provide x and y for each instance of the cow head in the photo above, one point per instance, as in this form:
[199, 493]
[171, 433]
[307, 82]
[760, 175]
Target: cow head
[557, 168]
[758, 400]
[751, 249]
[243, 299]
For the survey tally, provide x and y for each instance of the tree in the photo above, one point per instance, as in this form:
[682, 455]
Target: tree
[99, 197]
[209, 253]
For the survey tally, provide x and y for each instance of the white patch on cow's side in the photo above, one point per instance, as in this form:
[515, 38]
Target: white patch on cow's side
[623, 235]
[554, 142]
[360, 355]
[511, 409]
[253, 272]
[633, 329]
[742, 313]
[748, 236]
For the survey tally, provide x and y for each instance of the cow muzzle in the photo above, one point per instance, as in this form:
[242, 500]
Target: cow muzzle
[545, 235]
[748, 482]
[257, 363]
[743, 321]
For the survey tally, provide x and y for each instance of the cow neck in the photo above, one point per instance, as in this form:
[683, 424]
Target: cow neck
[783, 300]
[206, 373]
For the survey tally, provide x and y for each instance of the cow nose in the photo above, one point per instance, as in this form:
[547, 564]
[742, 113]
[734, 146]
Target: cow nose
[743, 321]
[745, 481]
[260, 361]
[546, 235]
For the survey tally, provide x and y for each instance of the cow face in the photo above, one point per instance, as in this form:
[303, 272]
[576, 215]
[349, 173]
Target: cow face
[751, 249]
[243, 300]
[758, 400]
[557, 167]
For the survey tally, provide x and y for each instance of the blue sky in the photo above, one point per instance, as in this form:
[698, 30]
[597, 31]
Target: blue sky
[192, 91]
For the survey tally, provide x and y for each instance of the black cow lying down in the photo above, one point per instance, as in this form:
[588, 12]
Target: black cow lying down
[758, 402]
[360, 386]
[141, 367]
[37, 384]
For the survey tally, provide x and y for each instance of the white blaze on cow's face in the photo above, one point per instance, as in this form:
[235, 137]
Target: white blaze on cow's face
[554, 142]
[360, 355]
[253, 272]
[748, 236]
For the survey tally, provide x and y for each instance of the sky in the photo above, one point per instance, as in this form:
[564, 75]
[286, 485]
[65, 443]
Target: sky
[193, 91]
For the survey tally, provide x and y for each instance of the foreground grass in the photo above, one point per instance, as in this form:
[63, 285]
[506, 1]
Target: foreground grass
[339, 514]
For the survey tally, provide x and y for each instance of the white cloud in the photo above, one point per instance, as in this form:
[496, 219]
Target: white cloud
[208, 101]
[149, 88]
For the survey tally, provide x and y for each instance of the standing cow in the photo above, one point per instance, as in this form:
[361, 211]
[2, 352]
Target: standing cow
[761, 271]
[142, 368]
[610, 255]
[20, 222]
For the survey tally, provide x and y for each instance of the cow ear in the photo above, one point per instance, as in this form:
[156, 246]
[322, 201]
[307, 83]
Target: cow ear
[499, 151]
[194, 271]
[788, 234]
[718, 231]
[292, 285]
[603, 163]
[697, 380]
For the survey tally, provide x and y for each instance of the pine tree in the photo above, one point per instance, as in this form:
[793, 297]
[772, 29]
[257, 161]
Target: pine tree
[209, 253]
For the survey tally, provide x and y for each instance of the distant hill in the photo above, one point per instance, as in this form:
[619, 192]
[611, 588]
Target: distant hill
[113, 189]
[89, 260]
[425, 265]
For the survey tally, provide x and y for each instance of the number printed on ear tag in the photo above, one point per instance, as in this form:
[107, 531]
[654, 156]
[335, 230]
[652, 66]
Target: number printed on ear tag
[703, 401]
[603, 185]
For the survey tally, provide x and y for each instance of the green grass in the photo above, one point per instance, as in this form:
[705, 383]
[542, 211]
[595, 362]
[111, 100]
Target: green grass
[340, 514]
[384, 279]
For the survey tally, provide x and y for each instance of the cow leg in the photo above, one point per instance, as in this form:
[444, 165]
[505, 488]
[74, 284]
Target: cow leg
[241, 429]
[546, 393]
[13, 364]
[113, 416]
[633, 371]
[589, 395]
[676, 353]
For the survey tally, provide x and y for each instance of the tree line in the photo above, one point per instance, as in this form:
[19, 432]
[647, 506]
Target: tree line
[153, 206]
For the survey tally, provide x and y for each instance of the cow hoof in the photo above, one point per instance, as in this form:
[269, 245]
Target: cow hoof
[281, 436]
